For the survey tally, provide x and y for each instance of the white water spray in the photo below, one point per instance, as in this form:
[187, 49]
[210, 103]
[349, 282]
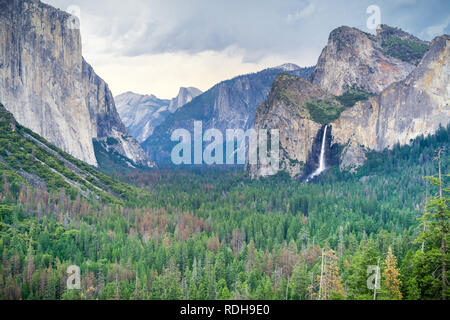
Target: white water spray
[322, 164]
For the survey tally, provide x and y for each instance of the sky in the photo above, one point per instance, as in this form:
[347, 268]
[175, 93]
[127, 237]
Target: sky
[157, 46]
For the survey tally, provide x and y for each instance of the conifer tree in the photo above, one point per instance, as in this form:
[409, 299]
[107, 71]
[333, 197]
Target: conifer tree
[331, 284]
[392, 276]
[431, 265]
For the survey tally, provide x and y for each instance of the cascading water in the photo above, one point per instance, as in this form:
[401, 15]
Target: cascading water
[322, 162]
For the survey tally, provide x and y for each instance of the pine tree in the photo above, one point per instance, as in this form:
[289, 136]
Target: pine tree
[366, 256]
[392, 276]
[431, 266]
[5, 185]
[224, 293]
[299, 282]
[330, 280]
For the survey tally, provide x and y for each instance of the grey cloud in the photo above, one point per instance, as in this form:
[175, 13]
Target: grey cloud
[259, 28]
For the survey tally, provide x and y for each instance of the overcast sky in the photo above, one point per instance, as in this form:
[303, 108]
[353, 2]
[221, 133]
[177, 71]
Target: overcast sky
[157, 46]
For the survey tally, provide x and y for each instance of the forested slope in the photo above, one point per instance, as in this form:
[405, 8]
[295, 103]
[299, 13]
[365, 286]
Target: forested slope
[214, 234]
[26, 158]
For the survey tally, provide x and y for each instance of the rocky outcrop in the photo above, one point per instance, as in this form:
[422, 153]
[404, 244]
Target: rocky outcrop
[406, 100]
[185, 95]
[230, 104]
[406, 109]
[47, 85]
[286, 110]
[141, 114]
[355, 59]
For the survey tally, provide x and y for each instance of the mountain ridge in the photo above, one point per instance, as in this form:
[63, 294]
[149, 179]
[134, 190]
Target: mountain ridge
[141, 114]
[230, 104]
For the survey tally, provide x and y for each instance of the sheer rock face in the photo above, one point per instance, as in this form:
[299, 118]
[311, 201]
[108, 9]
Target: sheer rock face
[406, 109]
[354, 59]
[185, 95]
[141, 114]
[285, 110]
[49, 88]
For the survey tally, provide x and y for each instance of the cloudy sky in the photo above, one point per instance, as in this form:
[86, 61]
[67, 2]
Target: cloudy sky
[157, 46]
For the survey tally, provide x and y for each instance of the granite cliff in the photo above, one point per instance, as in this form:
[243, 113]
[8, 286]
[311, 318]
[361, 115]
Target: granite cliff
[292, 107]
[372, 91]
[51, 89]
[355, 59]
[406, 109]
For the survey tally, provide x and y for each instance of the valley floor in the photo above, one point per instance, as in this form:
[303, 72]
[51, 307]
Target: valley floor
[204, 233]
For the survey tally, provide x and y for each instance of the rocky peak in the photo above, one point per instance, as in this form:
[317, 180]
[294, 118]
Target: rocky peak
[296, 94]
[185, 95]
[433, 71]
[403, 111]
[288, 67]
[354, 59]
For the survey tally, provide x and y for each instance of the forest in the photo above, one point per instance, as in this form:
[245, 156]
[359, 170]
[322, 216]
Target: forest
[212, 233]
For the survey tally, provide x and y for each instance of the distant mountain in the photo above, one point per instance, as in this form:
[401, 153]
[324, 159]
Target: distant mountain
[185, 95]
[230, 104]
[49, 87]
[141, 114]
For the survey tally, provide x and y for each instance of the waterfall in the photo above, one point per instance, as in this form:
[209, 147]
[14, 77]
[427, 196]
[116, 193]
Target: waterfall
[322, 160]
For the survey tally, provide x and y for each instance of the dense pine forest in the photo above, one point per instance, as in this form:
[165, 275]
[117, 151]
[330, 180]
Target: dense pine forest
[212, 233]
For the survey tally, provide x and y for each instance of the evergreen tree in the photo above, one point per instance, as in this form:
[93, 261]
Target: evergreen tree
[431, 265]
[392, 276]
